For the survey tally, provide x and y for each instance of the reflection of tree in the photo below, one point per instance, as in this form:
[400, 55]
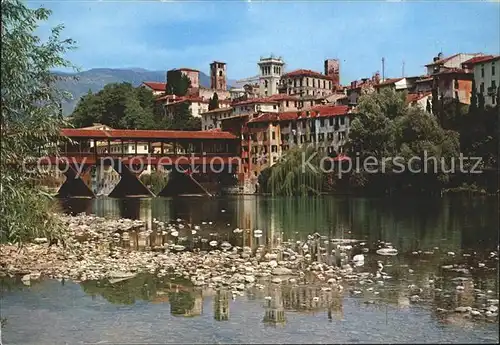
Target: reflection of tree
[142, 287]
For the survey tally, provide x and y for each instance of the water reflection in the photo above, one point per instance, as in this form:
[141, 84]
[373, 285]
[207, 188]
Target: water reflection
[443, 246]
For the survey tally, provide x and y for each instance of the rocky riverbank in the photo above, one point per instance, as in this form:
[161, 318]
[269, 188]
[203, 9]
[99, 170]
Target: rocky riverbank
[93, 250]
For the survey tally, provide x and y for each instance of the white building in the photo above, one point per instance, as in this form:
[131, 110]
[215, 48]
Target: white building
[441, 63]
[271, 70]
[212, 118]
[486, 76]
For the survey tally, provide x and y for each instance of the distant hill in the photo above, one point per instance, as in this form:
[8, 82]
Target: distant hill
[95, 79]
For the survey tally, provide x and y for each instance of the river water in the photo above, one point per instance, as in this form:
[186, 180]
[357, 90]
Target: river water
[438, 240]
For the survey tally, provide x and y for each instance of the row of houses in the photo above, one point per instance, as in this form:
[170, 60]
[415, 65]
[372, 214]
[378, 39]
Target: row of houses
[277, 110]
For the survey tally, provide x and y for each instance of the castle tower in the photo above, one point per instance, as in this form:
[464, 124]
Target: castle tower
[332, 69]
[271, 70]
[218, 79]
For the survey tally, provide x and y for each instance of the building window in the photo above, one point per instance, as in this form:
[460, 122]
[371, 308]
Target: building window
[331, 121]
[492, 68]
[481, 88]
[329, 136]
[322, 122]
[482, 71]
[287, 104]
[274, 148]
[321, 136]
[274, 135]
[494, 85]
[342, 120]
[145, 147]
[275, 106]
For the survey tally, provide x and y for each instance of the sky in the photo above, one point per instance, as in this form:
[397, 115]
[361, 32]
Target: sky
[160, 35]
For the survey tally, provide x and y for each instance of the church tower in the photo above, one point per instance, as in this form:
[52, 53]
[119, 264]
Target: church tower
[218, 79]
[271, 70]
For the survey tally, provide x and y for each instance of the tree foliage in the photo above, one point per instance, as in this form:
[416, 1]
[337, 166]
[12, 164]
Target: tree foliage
[385, 128]
[177, 83]
[119, 105]
[214, 102]
[30, 118]
[292, 176]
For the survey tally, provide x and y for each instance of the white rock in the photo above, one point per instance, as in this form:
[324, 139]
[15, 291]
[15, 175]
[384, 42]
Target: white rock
[213, 243]
[40, 240]
[281, 271]
[387, 251]
[249, 279]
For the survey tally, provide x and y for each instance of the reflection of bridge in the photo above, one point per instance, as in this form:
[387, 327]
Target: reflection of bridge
[195, 157]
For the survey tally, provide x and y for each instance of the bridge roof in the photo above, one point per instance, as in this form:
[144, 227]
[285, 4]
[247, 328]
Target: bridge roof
[143, 134]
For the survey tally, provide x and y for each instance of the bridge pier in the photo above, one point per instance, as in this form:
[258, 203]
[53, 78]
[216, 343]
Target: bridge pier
[74, 186]
[129, 184]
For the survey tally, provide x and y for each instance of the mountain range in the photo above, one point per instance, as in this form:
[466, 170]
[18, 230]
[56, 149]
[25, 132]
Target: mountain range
[78, 84]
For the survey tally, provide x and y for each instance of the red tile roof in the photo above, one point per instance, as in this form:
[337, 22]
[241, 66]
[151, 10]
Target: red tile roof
[288, 115]
[265, 117]
[282, 97]
[187, 69]
[481, 59]
[218, 110]
[306, 73]
[318, 111]
[156, 86]
[143, 134]
[413, 97]
[327, 110]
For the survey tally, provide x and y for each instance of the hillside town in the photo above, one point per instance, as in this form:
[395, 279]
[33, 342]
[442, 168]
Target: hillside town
[278, 109]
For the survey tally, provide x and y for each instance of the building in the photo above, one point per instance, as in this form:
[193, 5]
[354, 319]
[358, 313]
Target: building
[361, 87]
[441, 63]
[454, 84]
[304, 82]
[212, 118]
[271, 70]
[332, 70]
[156, 87]
[267, 136]
[420, 99]
[486, 76]
[192, 74]
[218, 78]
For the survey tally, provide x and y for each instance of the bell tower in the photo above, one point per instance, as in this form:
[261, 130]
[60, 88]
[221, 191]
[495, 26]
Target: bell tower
[218, 79]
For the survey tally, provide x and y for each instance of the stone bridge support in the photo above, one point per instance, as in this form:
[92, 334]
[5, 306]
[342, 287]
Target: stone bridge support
[74, 186]
[129, 184]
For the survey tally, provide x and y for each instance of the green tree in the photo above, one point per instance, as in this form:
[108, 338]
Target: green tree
[119, 105]
[30, 118]
[182, 118]
[473, 98]
[214, 102]
[291, 176]
[177, 83]
[386, 127]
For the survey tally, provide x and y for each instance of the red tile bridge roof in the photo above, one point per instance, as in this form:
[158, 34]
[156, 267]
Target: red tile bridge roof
[144, 134]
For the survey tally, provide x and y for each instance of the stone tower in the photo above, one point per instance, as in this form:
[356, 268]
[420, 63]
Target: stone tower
[271, 70]
[218, 79]
[332, 69]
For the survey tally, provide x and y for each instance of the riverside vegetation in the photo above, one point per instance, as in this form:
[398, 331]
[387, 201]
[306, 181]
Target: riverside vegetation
[385, 126]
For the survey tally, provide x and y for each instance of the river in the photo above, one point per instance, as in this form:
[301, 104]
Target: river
[428, 233]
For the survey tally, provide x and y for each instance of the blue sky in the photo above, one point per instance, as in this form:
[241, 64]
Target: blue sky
[162, 35]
